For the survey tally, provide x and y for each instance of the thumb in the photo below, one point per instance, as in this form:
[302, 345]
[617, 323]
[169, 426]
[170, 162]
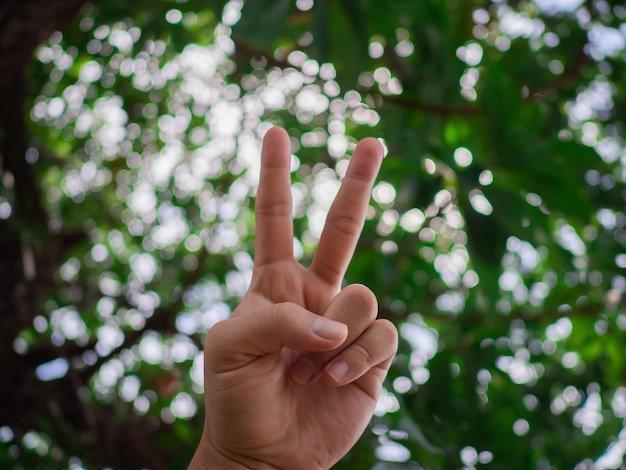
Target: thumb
[240, 340]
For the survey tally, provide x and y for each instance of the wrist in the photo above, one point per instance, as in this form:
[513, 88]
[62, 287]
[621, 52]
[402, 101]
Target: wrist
[207, 457]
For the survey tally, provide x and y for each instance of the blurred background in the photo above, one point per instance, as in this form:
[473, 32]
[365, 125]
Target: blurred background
[495, 241]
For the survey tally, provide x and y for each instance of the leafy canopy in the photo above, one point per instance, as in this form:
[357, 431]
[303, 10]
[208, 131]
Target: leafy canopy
[495, 238]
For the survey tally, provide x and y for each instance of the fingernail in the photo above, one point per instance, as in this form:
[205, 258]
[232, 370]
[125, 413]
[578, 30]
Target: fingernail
[338, 370]
[303, 371]
[328, 329]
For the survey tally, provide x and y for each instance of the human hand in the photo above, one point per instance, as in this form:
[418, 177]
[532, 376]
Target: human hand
[292, 377]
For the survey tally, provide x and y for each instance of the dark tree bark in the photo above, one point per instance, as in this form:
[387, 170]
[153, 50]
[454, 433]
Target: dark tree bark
[30, 257]
[27, 264]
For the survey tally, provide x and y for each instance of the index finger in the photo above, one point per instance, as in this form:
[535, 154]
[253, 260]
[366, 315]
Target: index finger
[273, 206]
[347, 213]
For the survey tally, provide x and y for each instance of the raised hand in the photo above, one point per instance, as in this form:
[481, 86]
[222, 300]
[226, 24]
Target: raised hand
[292, 378]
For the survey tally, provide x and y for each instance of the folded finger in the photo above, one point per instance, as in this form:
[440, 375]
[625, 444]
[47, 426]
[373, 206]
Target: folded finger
[356, 307]
[372, 381]
[374, 347]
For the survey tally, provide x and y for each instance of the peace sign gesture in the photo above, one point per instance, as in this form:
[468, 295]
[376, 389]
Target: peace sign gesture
[292, 378]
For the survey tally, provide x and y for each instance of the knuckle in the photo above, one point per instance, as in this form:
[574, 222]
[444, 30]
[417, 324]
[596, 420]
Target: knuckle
[282, 311]
[361, 354]
[277, 208]
[388, 327]
[388, 333]
[365, 299]
[327, 270]
[345, 224]
[358, 176]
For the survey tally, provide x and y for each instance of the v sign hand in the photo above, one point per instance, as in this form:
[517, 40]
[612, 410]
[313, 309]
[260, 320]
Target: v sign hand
[292, 378]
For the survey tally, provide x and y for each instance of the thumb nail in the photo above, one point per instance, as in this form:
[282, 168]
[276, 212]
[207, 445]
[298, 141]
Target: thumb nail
[329, 329]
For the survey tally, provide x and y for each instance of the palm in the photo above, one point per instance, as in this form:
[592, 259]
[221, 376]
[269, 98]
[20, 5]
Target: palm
[268, 411]
[288, 281]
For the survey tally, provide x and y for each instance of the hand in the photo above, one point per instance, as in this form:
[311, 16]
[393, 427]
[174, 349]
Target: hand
[292, 378]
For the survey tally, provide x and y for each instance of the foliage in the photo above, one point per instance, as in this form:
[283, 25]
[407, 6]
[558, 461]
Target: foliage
[495, 240]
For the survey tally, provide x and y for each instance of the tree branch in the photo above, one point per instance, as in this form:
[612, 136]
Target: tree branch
[528, 316]
[247, 52]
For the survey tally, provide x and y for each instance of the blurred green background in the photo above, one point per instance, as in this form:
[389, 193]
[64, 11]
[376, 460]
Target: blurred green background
[495, 241]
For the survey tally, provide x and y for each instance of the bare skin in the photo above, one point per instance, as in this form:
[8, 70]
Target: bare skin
[292, 378]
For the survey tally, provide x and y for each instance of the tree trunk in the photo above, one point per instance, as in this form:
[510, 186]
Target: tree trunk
[30, 257]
